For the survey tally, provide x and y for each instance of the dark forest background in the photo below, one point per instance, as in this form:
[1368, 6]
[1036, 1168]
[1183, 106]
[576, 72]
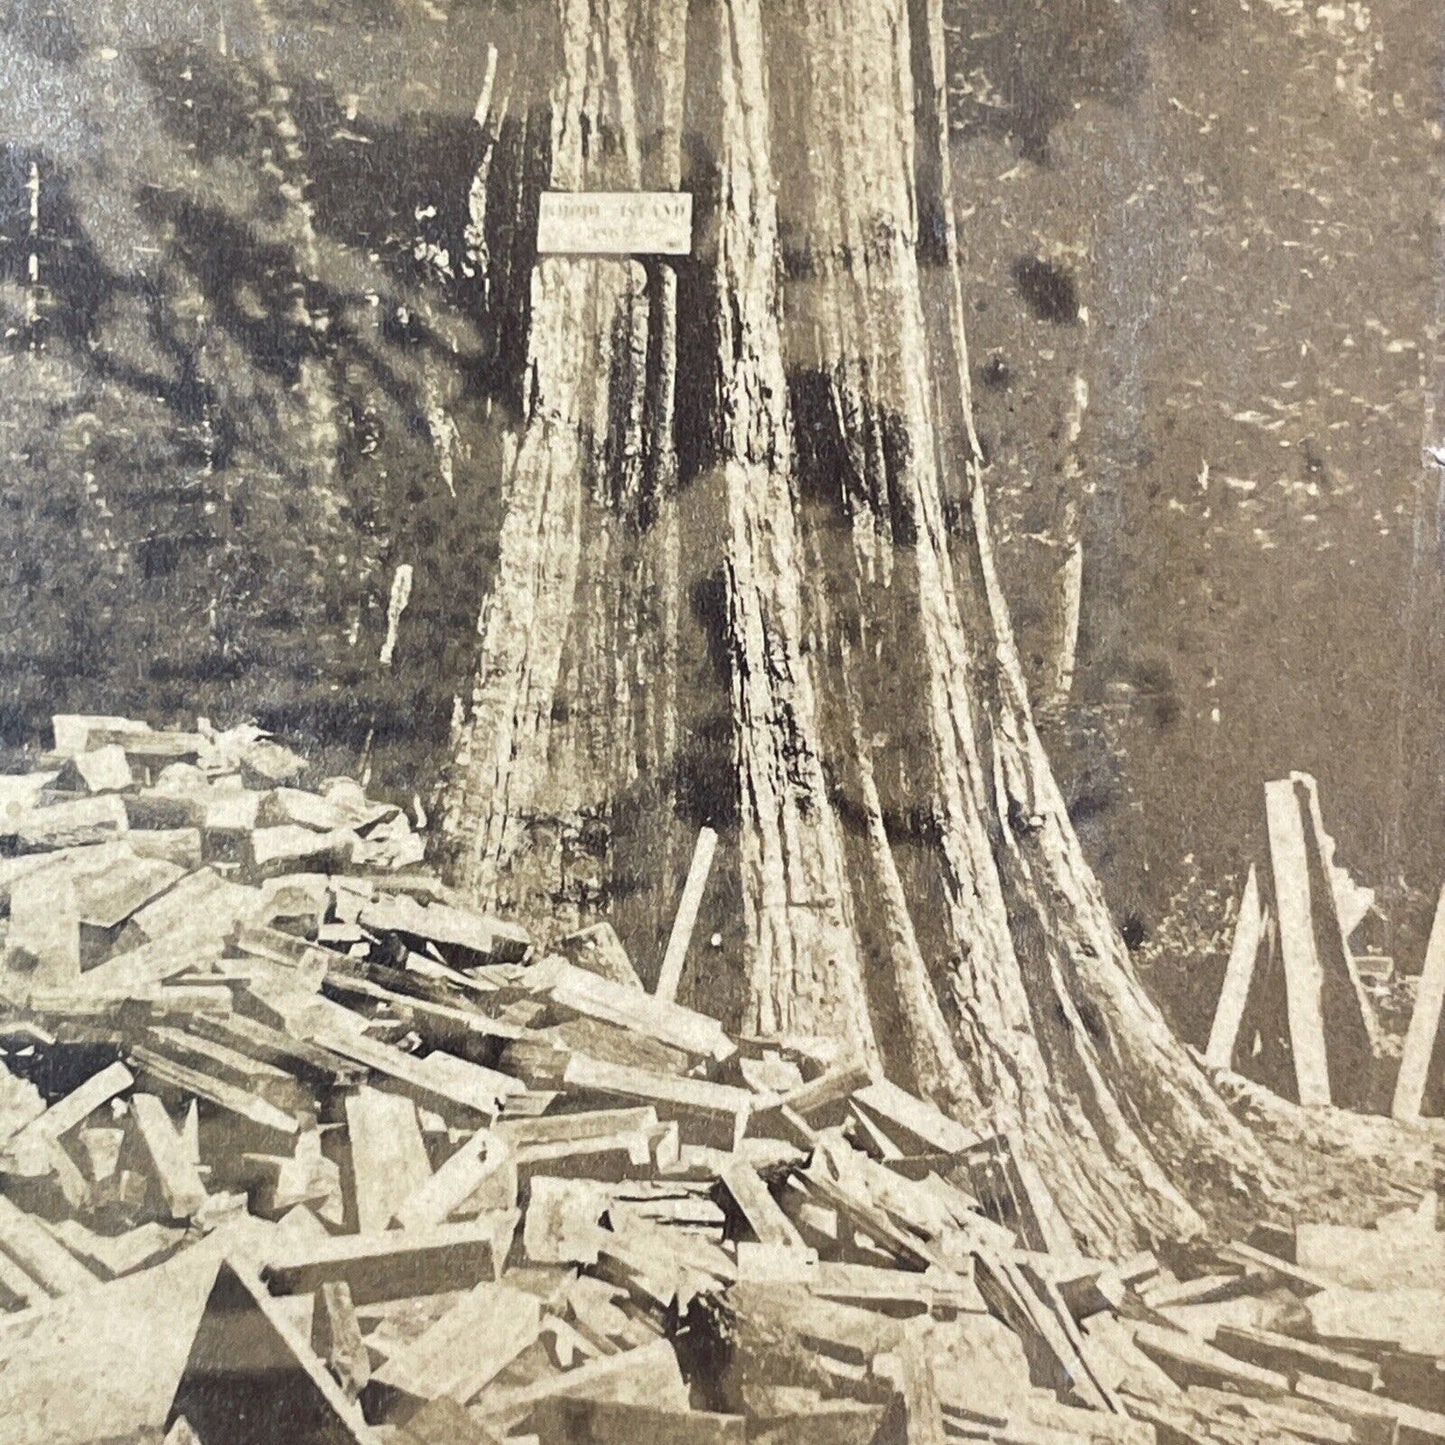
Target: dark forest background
[251, 364]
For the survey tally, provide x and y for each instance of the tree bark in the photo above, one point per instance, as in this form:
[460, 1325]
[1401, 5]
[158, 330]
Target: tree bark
[900, 854]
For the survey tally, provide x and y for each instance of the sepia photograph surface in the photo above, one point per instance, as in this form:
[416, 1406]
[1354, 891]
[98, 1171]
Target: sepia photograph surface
[722, 722]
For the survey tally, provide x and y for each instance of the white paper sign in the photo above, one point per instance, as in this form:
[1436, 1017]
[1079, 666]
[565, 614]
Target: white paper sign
[615, 223]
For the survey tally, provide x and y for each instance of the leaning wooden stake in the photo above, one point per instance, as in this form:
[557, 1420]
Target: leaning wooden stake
[686, 920]
[1303, 975]
[1238, 976]
[1424, 1031]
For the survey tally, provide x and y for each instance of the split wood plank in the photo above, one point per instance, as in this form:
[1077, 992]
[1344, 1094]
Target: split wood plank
[1247, 1257]
[49, 1263]
[231, 1065]
[389, 1266]
[670, 975]
[1238, 977]
[482, 1171]
[1422, 1040]
[105, 770]
[1411, 1424]
[719, 1110]
[669, 1023]
[591, 1124]
[468, 1347]
[913, 1124]
[69, 825]
[1189, 1361]
[444, 1083]
[272, 1046]
[72, 730]
[110, 1256]
[1304, 975]
[77, 1106]
[1287, 1355]
[174, 1170]
[762, 1212]
[388, 1156]
[1350, 1023]
[167, 1071]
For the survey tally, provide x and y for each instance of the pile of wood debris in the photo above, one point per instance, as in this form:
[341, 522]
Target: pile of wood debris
[300, 1148]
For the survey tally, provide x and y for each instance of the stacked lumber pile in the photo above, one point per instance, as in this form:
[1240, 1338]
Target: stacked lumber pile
[1295, 1010]
[297, 1146]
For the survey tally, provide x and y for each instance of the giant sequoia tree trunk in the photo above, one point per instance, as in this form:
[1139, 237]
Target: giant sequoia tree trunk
[746, 578]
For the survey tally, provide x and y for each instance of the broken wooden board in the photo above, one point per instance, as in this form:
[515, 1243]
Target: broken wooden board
[1419, 1060]
[66, 1113]
[708, 1112]
[31, 1246]
[694, 886]
[482, 1173]
[388, 1156]
[1238, 977]
[229, 1065]
[109, 1256]
[912, 1124]
[1303, 970]
[585, 993]
[249, 1377]
[103, 770]
[185, 1080]
[468, 1347]
[440, 1081]
[1407, 1424]
[1286, 1355]
[170, 1163]
[471, 938]
[1349, 1013]
[390, 1266]
[72, 824]
[72, 731]
[105, 1363]
[757, 1207]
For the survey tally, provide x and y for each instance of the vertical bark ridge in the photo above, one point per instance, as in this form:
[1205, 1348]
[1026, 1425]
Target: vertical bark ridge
[932, 846]
[802, 961]
[569, 706]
